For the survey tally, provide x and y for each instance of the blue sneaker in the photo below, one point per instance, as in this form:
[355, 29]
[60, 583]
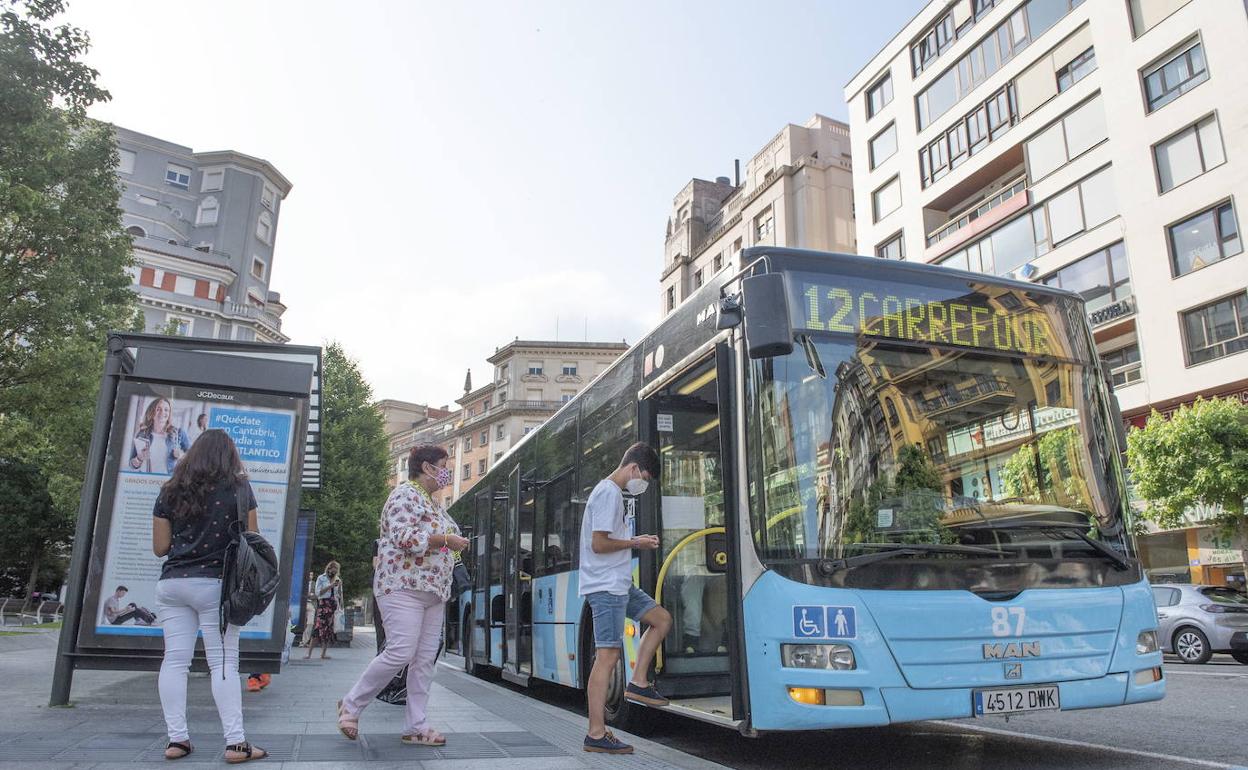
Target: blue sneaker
[647, 695]
[607, 744]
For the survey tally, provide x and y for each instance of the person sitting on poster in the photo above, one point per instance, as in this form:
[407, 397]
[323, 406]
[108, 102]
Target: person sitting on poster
[117, 614]
[158, 444]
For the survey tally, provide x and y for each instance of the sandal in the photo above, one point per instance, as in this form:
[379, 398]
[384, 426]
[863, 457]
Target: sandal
[182, 746]
[428, 738]
[245, 748]
[347, 724]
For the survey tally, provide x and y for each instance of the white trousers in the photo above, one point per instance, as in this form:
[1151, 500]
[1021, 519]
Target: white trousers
[187, 606]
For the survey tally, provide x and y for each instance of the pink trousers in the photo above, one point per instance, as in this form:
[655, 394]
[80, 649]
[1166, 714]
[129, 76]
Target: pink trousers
[413, 621]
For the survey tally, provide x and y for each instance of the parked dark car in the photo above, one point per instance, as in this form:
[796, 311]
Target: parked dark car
[1194, 622]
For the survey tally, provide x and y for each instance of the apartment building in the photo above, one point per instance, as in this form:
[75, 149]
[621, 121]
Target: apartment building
[1096, 145]
[532, 380]
[204, 226]
[797, 191]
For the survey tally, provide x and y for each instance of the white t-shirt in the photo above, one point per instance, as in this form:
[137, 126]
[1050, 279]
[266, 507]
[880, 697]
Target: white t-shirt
[610, 572]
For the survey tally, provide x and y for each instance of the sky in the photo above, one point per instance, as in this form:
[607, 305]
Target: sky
[468, 173]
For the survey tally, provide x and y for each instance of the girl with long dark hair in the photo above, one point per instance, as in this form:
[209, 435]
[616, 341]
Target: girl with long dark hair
[191, 525]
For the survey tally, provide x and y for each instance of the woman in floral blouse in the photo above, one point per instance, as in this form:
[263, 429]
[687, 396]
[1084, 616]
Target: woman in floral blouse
[412, 584]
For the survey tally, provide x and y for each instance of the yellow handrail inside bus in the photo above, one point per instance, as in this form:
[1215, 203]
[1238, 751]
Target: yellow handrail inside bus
[667, 563]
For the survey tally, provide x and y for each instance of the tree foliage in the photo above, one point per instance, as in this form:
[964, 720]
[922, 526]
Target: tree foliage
[1199, 455]
[1044, 471]
[354, 472]
[63, 254]
[914, 496]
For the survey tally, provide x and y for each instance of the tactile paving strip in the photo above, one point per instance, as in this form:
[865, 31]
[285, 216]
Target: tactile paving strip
[150, 747]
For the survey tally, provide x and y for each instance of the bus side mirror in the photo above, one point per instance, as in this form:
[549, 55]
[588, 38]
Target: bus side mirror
[768, 325]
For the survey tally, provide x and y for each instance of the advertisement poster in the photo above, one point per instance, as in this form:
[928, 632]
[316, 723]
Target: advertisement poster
[153, 429]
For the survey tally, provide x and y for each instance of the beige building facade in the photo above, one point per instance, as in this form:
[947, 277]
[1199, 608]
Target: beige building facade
[1097, 146]
[531, 381]
[797, 191]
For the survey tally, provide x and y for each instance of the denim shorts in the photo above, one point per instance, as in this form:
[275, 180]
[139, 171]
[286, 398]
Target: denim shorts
[609, 611]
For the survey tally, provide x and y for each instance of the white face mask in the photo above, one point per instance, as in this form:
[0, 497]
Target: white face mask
[637, 487]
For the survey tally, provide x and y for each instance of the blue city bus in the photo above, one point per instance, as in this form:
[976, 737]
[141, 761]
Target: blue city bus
[889, 492]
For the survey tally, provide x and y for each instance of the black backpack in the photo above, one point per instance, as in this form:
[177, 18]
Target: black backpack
[250, 575]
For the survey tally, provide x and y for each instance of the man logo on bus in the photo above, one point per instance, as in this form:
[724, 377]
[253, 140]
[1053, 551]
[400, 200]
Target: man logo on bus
[1012, 650]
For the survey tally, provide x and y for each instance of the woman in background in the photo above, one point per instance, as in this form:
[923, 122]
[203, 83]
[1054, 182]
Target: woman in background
[158, 444]
[328, 597]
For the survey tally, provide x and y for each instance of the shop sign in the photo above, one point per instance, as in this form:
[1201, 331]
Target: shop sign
[1215, 546]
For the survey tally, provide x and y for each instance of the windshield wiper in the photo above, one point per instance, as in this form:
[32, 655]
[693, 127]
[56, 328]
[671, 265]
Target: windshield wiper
[812, 356]
[893, 550]
[1104, 549]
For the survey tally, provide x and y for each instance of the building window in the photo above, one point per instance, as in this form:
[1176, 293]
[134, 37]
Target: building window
[257, 268]
[535, 367]
[566, 396]
[207, 213]
[970, 134]
[212, 181]
[1217, 329]
[886, 199]
[136, 231]
[1178, 74]
[893, 248]
[879, 95]
[498, 432]
[497, 456]
[1123, 365]
[697, 279]
[671, 298]
[468, 442]
[934, 42]
[1079, 131]
[501, 373]
[1210, 236]
[1083, 65]
[267, 196]
[178, 176]
[1100, 278]
[177, 326]
[1026, 237]
[883, 145]
[484, 438]
[264, 227]
[527, 429]
[569, 370]
[996, 48]
[480, 467]
[467, 471]
[125, 161]
[1146, 14]
[1188, 154]
[764, 223]
[719, 262]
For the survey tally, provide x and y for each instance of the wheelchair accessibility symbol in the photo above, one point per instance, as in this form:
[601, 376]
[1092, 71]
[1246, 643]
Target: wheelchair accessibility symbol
[824, 622]
[808, 622]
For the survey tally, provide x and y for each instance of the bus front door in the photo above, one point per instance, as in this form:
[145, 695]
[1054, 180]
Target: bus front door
[692, 561]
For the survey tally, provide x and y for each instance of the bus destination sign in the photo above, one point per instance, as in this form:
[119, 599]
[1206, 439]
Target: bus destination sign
[926, 315]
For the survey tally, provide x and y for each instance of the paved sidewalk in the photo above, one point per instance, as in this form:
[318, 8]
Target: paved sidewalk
[116, 720]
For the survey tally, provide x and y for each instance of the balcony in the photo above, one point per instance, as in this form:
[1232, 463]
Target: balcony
[988, 390]
[252, 313]
[205, 255]
[1013, 198]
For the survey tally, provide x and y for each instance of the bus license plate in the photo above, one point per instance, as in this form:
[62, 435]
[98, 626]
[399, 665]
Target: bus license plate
[1015, 699]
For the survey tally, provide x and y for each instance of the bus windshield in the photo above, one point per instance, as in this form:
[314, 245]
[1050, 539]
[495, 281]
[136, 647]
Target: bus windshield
[961, 436]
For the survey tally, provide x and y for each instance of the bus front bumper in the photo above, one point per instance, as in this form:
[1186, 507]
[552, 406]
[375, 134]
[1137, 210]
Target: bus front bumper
[888, 705]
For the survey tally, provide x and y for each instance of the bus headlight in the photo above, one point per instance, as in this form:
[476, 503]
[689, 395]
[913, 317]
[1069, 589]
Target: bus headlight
[1146, 642]
[834, 657]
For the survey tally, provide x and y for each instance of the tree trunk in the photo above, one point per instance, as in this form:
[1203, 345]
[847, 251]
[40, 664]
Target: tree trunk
[34, 576]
